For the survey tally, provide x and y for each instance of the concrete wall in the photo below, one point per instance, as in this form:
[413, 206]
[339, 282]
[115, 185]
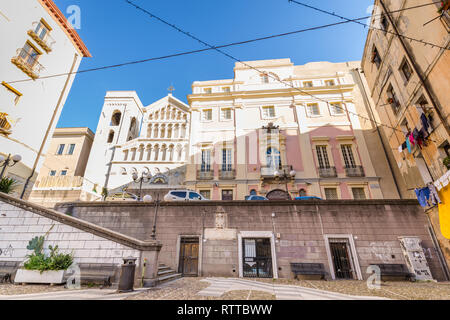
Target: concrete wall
[374, 226]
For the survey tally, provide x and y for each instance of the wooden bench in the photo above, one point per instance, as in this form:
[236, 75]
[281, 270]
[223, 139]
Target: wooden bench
[7, 269]
[97, 273]
[394, 271]
[308, 270]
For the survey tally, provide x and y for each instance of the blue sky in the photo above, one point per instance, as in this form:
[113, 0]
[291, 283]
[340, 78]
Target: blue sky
[116, 32]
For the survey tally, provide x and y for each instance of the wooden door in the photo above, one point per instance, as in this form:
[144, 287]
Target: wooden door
[189, 257]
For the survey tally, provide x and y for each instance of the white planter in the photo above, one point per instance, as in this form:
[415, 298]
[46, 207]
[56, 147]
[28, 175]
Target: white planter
[35, 276]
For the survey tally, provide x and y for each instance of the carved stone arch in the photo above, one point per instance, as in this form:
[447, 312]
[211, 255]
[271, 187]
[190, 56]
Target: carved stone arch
[115, 118]
[110, 136]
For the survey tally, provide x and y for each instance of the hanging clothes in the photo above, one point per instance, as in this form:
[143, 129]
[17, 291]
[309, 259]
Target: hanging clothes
[411, 140]
[423, 195]
[424, 120]
[400, 149]
[408, 145]
[434, 196]
[424, 133]
[438, 185]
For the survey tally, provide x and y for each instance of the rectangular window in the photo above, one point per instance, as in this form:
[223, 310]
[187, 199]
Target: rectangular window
[264, 78]
[308, 84]
[52, 173]
[206, 194]
[226, 89]
[268, 112]
[60, 149]
[227, 194]
[358, 193]
[63, 172]
[392, 99]
[226, 113]
[384, 22]
[336, 108]
[322, 156]
[329, 83]
[313, 109]
[29, 54]
[207, 90]
[206, 161]
[226, 160]
[376, 57]
[406, 70]
[347, 153]
[331, 193]
[71, 149]
[207, 115]
[42, 29]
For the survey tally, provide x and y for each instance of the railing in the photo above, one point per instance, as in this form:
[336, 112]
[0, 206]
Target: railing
[45, 42]
[356, 171]
[269, 171]
[27, 63]
[227, 174]
[59, 182]
[328, 172]
[5, 126]
[205, 175]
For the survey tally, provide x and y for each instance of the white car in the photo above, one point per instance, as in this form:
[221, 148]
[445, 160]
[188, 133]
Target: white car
[183, 195]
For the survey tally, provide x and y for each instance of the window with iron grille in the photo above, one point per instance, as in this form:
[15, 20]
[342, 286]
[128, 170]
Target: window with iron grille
[226, 114]
[406, 70]
[227, 194]
[347, 153]
[313, 109]
[358, 193]
[336, 108]
[322, 156]
[226, 160]
[207, 115]
[206, 161]
[331, 193]
[205, 193]
[268, 112]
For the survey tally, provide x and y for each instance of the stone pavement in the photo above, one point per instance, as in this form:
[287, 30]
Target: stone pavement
[282, 292]
[86, 294]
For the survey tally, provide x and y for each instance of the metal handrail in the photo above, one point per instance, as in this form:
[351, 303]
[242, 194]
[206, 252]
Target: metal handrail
[354, 171]
[327, 172]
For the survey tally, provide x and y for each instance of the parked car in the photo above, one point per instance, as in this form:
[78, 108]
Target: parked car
[308, 198]
[255, 197]
[183, 195]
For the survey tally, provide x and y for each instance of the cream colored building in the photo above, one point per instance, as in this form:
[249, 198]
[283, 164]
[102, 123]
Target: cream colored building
[298, 121]
[37, 41]
[61, 176]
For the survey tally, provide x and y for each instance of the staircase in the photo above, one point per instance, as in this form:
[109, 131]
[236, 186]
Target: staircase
[165, 274]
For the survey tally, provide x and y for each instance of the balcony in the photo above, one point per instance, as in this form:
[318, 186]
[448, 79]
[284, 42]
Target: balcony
[268, 172]
[59, 182]
[205, 175]
[27, 63]
[356, 171]
[227, 174]
[46, 42]
[329, 172]
[5, 126]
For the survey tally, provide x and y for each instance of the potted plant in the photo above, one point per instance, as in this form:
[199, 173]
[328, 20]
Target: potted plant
[42, 268]
[7, 185]
[445, 5]
[446, 162]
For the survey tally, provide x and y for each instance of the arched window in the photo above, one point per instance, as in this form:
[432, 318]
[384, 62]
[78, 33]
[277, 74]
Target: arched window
[111, 136]
[149, 131]
[115, 119]
[273, 158]
[302, 193]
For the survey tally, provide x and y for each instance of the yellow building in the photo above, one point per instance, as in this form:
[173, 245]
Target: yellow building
[61, 176]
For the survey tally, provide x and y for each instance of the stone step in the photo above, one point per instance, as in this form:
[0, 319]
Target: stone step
[163, 268]
[165, 272]
[169, 277]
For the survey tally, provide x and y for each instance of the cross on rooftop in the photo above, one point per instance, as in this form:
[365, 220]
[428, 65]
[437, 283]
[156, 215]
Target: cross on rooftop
[171, 89]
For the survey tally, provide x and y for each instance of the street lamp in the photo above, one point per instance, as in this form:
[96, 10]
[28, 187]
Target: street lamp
[157, 203]
[8, 162]
[140, 180]
[286, 176]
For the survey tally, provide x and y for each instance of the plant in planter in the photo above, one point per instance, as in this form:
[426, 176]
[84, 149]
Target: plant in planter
[42, 268]
[445, 6]
[7, 185]
[446, 162]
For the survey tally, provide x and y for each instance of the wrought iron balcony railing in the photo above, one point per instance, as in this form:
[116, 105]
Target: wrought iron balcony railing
[227, 174]
[45, 41]
[5, 126]
[328, 172]
[205, 174]
[27, 63]
[269, 171]
[55, 182]
[356, 171]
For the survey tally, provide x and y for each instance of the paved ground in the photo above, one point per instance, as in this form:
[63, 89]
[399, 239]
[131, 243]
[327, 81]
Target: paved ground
[237, 289]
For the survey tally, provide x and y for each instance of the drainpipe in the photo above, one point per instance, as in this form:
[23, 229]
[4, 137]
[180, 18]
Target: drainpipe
[416, 70]
[367, 101]
[50, 125]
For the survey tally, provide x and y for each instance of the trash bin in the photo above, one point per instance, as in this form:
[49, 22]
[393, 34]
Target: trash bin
[127, 271]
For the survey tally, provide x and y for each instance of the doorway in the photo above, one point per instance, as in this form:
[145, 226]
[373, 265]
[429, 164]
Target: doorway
[341, 258]
[257, 258]
[189, 249]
